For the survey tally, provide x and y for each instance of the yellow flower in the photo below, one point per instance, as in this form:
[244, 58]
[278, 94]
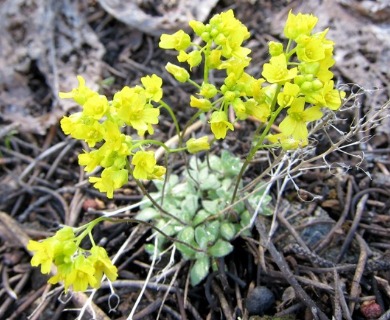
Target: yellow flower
[145, 166]
[95, 107]
[111, 179]
[90, 160]
[82, 127]
[276, 71]
[52, 249]
[287, 142]
[286, 97]
[152, 86]
[220, 124]
[324, 74]
[80, 276]
[197, 145]
[332, 97]
[102, 265]
[239, 109]
[232, 33]
[300, 24]
[178, 41]
[294, 124]
[144, 163]
[134, 111]
[80, 94]
[235, 66]
[213, 59]
[310, 49]
[43, 254]
[194, 58]
[259, 111]
[158, 173]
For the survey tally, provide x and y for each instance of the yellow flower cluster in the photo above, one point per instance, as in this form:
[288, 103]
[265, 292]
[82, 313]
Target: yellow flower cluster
[100, 122]
[75, 267]
[307, 86]
[223, 37]
[297, 76]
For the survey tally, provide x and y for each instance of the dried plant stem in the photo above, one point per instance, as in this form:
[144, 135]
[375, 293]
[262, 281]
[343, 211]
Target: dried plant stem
[289, 276]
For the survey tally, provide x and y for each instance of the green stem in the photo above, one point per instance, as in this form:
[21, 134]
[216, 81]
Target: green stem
[206, 67]
[191, 121]
[160, 208]
[288, 46]
[88, 229]
[158, 143]
[151, 141]
[259, 143]
[174, 119]
[194, 84]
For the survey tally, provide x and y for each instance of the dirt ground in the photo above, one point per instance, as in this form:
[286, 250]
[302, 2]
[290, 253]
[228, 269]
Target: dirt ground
[330, 255]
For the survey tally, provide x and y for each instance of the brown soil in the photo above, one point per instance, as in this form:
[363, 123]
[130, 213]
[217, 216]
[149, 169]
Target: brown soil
[330, 254]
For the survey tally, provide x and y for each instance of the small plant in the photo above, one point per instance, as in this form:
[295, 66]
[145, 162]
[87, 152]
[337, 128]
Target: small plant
[198, 200]
[294, 90]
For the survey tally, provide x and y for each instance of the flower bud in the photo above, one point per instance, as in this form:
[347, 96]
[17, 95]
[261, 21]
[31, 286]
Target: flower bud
[208, 90]
[197, 26]
[202, 104]
[179, 73]
[197, 145]
[275, 48]
[178, 41]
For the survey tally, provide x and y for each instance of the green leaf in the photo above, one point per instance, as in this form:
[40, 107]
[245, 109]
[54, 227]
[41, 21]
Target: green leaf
[196, 164]
[209, 181]
[199, 270]
[231, 165]
[227, 231]
[147, 214]
[187, 235]
[245, 219]
[201, 237]
[212, 229]
[200, 217]
[165, 226]
[210, 206]
[190, 205]
[220, 249]
[265, 207]
[244, 223]
[149, 248]
[215, 163]
[182, 189]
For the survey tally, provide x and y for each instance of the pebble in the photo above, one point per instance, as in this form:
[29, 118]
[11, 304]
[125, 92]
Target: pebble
[259, 300]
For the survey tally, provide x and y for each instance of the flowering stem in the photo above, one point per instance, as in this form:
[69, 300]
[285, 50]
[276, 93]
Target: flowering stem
[194, 84]
[189, 122]
[259, 143]
[174, 119]
[206, 67]
[159, 143]
[88, 229]
[161, 209]
[151, 141]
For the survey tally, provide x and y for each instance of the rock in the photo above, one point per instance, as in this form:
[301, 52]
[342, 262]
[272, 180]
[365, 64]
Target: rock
[259, 300]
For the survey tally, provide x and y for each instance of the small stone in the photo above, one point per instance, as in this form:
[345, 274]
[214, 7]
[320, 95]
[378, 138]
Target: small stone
[371, 310]
[259, 300]
[94, 204]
